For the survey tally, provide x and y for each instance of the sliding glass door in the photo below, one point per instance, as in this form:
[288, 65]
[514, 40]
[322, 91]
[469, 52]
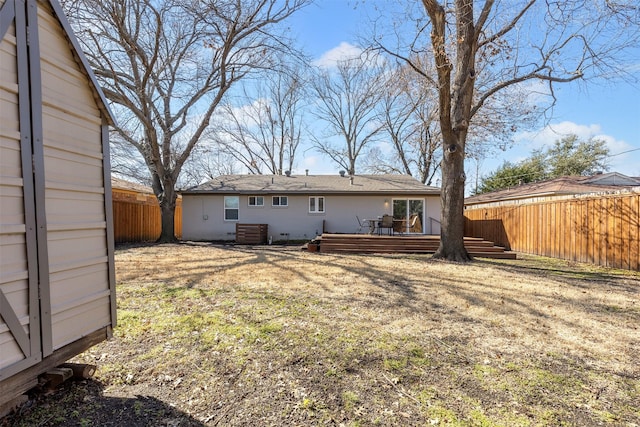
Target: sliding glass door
[409, 215]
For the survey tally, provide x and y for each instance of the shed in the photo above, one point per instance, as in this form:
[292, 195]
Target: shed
[57, 276]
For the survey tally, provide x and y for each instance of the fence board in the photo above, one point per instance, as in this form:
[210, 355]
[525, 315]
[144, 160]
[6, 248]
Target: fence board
[616, 237]
[603, 230]
[593, 232]
[581, 226]
[634, 234]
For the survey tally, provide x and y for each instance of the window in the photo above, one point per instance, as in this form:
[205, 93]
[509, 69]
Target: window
[231, 208]
[280, 201]
[256, 201]
[410, 212]
[316, 204]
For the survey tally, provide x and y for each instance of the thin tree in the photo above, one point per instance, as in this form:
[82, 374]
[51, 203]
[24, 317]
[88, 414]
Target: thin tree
[347, 99]
[166, 65]
[408, 115]
[264, 134]
[510, 43]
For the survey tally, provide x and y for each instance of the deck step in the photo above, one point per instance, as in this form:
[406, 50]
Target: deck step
[365, 243]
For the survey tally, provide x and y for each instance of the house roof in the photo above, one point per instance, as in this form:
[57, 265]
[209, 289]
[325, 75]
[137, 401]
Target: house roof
[565, 185]
[306, 184]
[121, 184]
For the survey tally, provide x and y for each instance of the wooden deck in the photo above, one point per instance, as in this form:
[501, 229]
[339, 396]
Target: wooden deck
[367, 243]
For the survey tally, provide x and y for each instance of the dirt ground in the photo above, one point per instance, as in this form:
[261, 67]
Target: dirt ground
[214, 335]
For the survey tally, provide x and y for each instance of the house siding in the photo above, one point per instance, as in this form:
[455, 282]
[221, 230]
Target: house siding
[203, 214]
[57, 273]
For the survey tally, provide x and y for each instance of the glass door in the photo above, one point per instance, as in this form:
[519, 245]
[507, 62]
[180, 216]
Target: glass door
[409, 215]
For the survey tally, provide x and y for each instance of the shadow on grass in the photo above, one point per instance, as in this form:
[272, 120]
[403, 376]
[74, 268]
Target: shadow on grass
[576, 274]
[83, 403]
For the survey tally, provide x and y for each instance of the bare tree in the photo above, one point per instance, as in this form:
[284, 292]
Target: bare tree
[347, 99]
[166, 65]
[207, 161]
[263, 135]
[509, 43]
[408, 115]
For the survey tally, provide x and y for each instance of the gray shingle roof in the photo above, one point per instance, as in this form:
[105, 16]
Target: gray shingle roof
[564, 185]
[303, 184]
[121, 184]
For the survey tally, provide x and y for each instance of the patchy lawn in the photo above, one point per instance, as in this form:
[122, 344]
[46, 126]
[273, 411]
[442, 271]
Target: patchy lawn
[241, 336]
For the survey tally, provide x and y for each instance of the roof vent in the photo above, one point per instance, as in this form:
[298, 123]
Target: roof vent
[288, 173]
[306, 171]
[351, 180]
[342, 173]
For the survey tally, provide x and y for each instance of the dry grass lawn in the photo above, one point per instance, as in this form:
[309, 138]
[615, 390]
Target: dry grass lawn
[259, 336]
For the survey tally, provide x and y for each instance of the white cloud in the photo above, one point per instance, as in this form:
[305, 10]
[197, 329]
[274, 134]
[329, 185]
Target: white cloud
[344, 51]
[548, 135]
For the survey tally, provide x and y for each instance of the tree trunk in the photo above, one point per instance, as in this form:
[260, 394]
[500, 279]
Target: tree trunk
[452, 202]
[167, 202]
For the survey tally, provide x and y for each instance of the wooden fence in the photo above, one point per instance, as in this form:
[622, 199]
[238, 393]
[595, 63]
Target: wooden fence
[602, 230]
[136, 217]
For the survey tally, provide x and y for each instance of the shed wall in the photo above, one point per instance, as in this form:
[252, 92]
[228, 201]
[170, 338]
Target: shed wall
[57, 276]
[19, 320]
[74, 191]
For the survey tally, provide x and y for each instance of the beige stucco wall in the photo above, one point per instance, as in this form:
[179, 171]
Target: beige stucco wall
[203, 215]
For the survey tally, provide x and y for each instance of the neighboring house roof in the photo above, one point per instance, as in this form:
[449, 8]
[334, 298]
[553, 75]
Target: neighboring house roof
[121, 184]
[306, 184]
[566, 185]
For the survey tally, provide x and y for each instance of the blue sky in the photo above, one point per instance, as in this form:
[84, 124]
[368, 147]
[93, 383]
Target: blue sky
[608, 110]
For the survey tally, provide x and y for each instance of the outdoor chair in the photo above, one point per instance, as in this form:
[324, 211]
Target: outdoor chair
[399, 226]
[362, 224]
[416, 225]
[386, 222]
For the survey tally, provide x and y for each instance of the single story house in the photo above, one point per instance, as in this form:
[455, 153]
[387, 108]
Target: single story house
[565, 186]
[300, 207]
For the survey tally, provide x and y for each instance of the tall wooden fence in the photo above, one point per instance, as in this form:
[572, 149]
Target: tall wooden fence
[136, 217]
[602, 230]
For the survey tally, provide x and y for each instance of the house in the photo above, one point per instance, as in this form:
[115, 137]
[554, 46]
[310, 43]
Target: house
[57, 273]
[566, 186]
[300, 207]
